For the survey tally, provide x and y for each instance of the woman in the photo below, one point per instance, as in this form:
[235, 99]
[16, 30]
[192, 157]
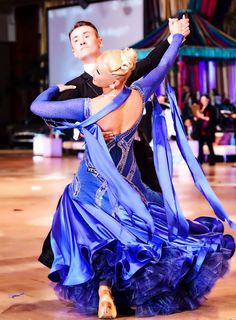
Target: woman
[206, 123]
[111, 241]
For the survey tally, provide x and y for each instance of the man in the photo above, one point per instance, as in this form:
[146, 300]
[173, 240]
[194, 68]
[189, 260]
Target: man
[86, 45]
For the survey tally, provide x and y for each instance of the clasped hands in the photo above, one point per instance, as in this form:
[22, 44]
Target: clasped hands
[179, 26]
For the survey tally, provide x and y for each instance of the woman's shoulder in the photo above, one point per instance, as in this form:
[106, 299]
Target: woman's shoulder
[137, 91]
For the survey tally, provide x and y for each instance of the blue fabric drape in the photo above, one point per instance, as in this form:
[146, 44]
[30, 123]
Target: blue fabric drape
[177, 224]
[196, 171]
[119, 190]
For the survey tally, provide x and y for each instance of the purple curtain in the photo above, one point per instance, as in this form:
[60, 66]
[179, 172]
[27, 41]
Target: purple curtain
[232, 81]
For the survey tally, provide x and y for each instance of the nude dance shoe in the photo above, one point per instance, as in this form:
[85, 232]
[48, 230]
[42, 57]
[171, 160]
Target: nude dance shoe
[106, 307]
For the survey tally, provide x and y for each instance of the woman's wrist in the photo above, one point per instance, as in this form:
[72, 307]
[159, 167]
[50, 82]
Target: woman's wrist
[178, 35]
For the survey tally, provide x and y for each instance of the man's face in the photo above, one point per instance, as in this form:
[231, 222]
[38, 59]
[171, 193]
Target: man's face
[85, 44]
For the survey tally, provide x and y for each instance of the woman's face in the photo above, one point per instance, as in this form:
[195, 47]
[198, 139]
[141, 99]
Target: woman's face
[102, 77]
[204, 100]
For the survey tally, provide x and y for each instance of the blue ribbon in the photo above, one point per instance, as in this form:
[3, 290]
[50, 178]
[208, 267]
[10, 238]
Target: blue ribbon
[177, 224]
[199, 178]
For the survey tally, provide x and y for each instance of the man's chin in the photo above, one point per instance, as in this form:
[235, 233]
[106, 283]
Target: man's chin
[84, 52]
[83, 56]
[87, 57]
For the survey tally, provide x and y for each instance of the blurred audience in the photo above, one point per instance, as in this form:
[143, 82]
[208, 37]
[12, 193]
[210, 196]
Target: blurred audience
[187, 101]
[167, 113]
[206, 127]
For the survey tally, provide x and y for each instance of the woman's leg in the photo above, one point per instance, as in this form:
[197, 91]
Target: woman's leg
[211, 153]
[200, 150]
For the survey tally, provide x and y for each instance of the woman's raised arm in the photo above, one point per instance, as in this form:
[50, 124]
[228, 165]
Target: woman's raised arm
[154, 78]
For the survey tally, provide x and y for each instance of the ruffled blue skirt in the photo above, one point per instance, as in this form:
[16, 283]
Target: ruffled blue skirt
[158, 277]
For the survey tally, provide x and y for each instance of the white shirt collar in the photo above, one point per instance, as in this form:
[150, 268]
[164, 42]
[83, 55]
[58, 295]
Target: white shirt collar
[89, 68]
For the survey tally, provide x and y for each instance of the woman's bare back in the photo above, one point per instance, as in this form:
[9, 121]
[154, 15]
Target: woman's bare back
[121, 119]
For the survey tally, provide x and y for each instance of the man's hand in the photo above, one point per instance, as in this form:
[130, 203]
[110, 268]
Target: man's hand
[171, 24]
[63, 87]
[107, 135]
[179, 26]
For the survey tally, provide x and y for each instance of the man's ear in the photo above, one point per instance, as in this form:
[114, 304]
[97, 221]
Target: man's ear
[74, 53]
[100, 42]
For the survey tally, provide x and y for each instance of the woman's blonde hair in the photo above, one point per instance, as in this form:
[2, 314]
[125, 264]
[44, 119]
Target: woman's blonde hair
[120, 62]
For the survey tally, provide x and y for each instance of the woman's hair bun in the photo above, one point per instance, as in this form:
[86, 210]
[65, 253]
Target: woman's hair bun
[119, 62]
[128, 58]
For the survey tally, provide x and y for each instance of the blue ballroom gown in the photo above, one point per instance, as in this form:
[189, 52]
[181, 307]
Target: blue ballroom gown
[110, 226]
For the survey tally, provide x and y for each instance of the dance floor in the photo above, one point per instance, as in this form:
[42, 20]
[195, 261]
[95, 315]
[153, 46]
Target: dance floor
[30, 188]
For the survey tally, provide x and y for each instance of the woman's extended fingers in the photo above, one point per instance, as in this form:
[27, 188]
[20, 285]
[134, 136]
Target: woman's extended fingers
[63, 87]
[185, 26]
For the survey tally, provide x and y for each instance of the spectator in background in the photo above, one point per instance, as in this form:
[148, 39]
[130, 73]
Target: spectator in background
[226, 109]
[206, 123]
[227, 105]
[233, 116]
[162, 99]
[167, 113]
[216, 98]
[187, 100]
